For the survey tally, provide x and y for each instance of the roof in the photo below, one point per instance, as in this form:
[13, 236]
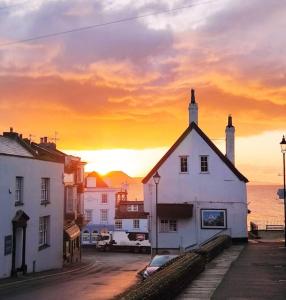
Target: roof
[175, 210]
[128, 202]
[194, 126]
[12, 144]
[12, 147]
[100, 183]
[131, 215]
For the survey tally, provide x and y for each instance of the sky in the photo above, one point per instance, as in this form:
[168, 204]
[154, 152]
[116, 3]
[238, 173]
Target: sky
[118, 94]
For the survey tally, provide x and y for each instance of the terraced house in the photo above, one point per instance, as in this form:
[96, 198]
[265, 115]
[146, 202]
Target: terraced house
[31, 207]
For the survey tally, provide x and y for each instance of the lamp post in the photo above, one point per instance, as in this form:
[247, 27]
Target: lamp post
[156, 178]
[283, 150]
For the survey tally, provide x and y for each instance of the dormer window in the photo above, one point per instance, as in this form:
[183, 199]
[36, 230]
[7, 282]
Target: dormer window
[204, 164]
[184, 164]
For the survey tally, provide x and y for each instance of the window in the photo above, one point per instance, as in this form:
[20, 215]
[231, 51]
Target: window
[104, 198]
[19, 190]
[86, 236]
[44, 228]
[94, 236]
[184, 164]
[118, 224]
[132, 207]
[88, 214]
[168, 225]
[136, 224]
[204, 164]
[70, 202]
[45, 190]
[103, 215]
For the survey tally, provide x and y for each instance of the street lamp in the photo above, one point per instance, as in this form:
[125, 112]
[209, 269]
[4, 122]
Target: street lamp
[156, 178]
[283, 150]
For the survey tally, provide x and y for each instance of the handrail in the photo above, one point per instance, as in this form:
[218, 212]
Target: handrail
[190, 246]
[213, 236]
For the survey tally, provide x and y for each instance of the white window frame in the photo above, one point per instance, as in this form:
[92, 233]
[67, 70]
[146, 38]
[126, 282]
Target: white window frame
[88, 214]
[45, 190]
[104, 198]
[19, 190]
[132, 207]
[44, 231]
[104, 216]
[85, 236]
[167, 225]
[118, 224]
[204, 165]
[184, 164]
[136, 224]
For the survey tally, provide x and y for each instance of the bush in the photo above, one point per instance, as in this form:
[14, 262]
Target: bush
[168, 282]
[211, 249]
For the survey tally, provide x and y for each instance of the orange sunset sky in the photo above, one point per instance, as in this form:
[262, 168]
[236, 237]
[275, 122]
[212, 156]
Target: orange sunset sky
[118, 94]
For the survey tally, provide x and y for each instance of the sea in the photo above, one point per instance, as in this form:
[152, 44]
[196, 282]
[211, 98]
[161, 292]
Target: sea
[264, 205]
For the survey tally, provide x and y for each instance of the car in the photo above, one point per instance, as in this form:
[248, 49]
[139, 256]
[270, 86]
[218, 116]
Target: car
[157, 262]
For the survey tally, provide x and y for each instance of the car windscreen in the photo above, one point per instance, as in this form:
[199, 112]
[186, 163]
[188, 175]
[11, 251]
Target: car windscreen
[160, 260]
[102, 238]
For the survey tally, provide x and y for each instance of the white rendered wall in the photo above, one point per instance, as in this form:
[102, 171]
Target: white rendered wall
[219, 188]
[92, 200]
[32, 170]
[127, 225]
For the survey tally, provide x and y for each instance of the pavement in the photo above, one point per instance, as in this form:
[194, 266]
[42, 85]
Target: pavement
[206, 283]
[258, 273]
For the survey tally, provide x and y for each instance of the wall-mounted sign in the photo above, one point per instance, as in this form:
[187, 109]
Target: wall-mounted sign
[8, 245]
[69, 179]
[213, 218]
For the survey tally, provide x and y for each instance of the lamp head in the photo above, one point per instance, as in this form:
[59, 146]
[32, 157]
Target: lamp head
[283, 145]
[157, 177]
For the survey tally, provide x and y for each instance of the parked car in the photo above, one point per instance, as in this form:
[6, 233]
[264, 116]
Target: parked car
[157, 262]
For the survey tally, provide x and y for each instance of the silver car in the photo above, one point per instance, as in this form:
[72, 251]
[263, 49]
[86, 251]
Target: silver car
[157, 262]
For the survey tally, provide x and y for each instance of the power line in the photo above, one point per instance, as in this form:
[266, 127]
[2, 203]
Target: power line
[74, 30]
[7, 7]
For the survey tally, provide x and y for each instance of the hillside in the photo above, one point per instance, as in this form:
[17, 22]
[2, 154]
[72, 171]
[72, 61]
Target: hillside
[121, 179]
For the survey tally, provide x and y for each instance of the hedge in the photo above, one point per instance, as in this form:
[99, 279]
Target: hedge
[211, 249]
[168, 282]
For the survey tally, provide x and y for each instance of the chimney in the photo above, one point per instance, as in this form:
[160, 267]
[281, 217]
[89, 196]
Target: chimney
[193, 109]
[229, 139]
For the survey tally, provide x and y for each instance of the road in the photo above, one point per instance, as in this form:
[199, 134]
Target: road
[106, 275]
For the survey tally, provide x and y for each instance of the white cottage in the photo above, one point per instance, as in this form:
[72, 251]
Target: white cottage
[31, 207]
[99, 206]
[200, 193]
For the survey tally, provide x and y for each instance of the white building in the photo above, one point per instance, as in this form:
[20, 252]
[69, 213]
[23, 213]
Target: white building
[99, 206]
[130, 215]
[31, 208]
[201, 194]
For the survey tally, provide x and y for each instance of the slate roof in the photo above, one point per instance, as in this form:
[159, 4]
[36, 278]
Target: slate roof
[194, 126]
[131, 215]
[10, 146]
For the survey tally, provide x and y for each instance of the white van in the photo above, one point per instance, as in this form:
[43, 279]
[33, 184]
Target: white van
[132, 241]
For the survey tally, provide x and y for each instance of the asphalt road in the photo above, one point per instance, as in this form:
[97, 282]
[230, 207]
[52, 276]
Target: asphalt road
[106, 275]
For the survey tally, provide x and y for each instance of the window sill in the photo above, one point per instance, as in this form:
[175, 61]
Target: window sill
[45, 203]
[204, 172]
[19, 203]
[42, 247]
[183, 172]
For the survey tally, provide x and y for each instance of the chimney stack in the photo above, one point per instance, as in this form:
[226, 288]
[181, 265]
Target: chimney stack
[229, 140]
[193, 109]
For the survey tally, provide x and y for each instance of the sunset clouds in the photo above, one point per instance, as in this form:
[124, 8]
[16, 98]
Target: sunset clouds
[123, 85]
